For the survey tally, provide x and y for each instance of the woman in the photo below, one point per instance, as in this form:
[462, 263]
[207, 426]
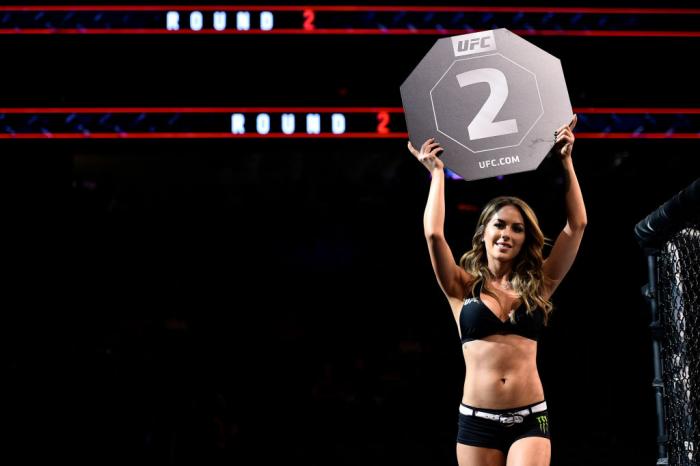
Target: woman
[499, 295]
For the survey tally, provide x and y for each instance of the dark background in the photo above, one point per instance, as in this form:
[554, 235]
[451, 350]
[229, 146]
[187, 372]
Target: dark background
[249, 301]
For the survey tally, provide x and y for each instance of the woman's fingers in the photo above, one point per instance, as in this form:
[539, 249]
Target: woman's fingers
[567, 128]
[427, 147]
[432, 146]
[567, 135]
[572, 123]
[428, 151]
[564, 137]
[564, 132]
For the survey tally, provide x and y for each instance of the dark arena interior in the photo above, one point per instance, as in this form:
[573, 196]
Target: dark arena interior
[254, 299]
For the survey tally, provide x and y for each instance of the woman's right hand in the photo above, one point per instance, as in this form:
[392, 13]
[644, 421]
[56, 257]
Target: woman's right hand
[428, 154]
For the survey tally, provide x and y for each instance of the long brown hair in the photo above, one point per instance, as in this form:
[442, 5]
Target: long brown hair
[527, 276]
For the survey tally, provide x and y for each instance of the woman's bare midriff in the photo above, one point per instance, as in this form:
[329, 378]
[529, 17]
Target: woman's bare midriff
[501, 372]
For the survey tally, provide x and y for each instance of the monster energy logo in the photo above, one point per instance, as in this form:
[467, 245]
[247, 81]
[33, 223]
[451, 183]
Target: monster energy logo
[543, 422]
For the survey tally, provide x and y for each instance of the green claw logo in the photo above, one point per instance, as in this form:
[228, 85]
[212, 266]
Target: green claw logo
[543, 422]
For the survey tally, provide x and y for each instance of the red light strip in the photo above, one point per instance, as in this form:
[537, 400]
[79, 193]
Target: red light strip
[201, 110]
[307, 136]
[387, 32]
[219, 135]
[639, 110]
[638, 135]
[49, 110]
[359, 8]
[325, 135]
[352, 9]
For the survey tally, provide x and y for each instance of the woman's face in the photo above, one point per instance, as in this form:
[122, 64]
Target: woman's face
[504, 234]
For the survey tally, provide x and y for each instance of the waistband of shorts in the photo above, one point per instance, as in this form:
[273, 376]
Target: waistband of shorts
[502, 411]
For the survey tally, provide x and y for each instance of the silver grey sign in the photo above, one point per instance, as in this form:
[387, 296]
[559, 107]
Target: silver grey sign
[491, 99]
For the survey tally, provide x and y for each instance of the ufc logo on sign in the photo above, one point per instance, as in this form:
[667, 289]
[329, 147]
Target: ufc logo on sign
[468, 44]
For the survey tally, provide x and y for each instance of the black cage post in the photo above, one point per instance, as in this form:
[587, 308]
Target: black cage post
[670, 237]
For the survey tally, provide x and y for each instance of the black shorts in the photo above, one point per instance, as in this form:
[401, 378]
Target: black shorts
[500, 434]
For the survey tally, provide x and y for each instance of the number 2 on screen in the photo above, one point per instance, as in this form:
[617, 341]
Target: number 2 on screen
[483, 124]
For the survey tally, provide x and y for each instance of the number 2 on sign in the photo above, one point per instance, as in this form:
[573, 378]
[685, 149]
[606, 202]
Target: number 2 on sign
[483, 124]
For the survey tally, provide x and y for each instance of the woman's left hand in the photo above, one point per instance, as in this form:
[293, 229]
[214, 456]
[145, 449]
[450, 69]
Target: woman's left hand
[564, 139]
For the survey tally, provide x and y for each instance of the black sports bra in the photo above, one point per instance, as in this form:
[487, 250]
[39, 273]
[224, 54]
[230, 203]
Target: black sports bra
[477, 321]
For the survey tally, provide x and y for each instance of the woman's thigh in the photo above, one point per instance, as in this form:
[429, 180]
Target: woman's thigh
[468, 455]
[530, 451]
